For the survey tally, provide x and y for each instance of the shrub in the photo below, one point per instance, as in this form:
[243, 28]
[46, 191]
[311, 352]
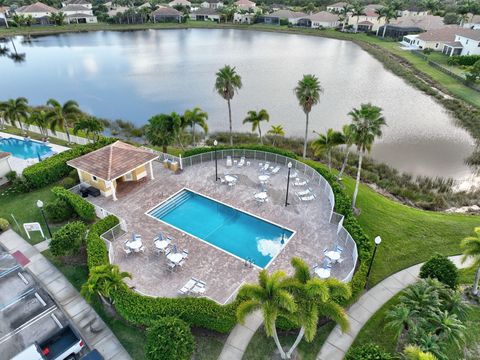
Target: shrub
[11, 176]
[58, 210]
[368, 352]
[97, 253]
[4, 224]
[68, 182]
[441, 268]
[169, 338]
[82, 207]
[68, 239]
[465, 60]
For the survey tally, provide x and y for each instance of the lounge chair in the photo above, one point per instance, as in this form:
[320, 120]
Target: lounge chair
[266, 166]
[126, 250]
[339, 249]
[185, 253]
[303, 193]
[275, 170]
[241, 162]
[187, 287]
[171, 266]
[300, 182]
[307, 198]
[229, 161]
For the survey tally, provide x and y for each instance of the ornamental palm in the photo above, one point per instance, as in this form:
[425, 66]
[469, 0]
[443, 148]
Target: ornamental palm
[357, 10]
[276, 131]
[326, 143]
[255, 118]
[344, 13]
[366, 125]
[388, 13]
[103, 280]
[400, 318]
[226, 84]
[161, 130]
[194, 118]
[180, 124]
[15, 111]
[63, 116]
[89, 125]
[471, 249]
[448, 328]
[413, 352]
[347, 135]
[270, 296]
[40, 119]
[308, 91]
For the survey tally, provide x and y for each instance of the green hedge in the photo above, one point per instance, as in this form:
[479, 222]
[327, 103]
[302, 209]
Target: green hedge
[465, 60]
[54, 168]
[96, 249]
[82, 208]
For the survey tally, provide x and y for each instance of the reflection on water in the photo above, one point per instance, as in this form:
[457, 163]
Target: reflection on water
[133, 75]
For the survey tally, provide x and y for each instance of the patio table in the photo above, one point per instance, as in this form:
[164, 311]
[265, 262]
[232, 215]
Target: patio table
[261, 195]
[135, 245]
[230, 178]
[333, 255]
[175, 257]
[263, 178]
[161, 244]
[323, 273]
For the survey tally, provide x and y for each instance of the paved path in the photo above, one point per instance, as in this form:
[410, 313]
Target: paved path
[78, 310]
[338, 343]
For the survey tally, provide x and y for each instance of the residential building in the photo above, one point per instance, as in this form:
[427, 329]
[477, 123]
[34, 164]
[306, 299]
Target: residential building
[114, 9]
[243, 18]
[185, 3]
[466, 43]
[205, 14]
[76, 9]
[212, 4]
[77, 2]
[322, 19]
[472, 22]
[246, 5]
[38, 11]
[369, 19]
[167, 14]
[412, 11]
[3, 15]
[275, 17]
[433, 39]
[411, 25]
[337, 7]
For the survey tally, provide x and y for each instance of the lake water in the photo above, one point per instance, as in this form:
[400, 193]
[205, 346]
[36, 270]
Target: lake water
[134, 75]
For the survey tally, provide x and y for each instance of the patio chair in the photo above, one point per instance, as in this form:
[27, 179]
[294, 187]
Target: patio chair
[339, 249]
[168, 251]
[266, 166]
[307, 198]
[300, 182]
[182, 262]
[275, 170]
[126, 250]
[241, 162]
[171, 266]
[229, 161]
[187, 287]
[185, 253]
[339, 261]
[303, 193]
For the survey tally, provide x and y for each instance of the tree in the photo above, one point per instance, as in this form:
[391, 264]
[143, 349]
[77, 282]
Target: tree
[400, 318]
[179, 125]
[270, 296]
[276, 131]
[431, 5]
[255, 118]
[441, 268]
[40, 119]
[326, 143]
[348, 141]
[388, 13]
[57, 18]
[68, 239]
[103, 280]
[345, 13]
[194, 118]
[15, 111]
[358, 9]
[413, 352]
[473, 72]
[89, 125]
[63, 116]
[161, 130]
[308, 92]
[226, 84]
[367, 123]
[471, 249]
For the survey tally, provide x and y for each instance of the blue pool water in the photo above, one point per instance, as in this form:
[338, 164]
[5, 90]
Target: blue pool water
[24, 149]
[231, 230]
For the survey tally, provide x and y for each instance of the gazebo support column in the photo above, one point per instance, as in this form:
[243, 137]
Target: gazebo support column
[114, 193]
[151, 170]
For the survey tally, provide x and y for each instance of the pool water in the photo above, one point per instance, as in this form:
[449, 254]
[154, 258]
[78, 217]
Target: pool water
[234, 231]
[24, 149]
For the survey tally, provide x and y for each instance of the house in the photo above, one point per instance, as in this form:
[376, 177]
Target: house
[411, 25]
[433, 39]
[184, 3]
[472, 22]
[77, 2]
[275, 17]
[322, 19]
[337, 7]
[205, 14]
[166, 14]
[38, 11]
[5, 166]
[369, 19]
[114, 167]
[243, 18]
[212, 4]
[412, 11]
[76, 9]
[114, 9]
[246, 5]
[146, 5]
[3, 15]
[466, 43]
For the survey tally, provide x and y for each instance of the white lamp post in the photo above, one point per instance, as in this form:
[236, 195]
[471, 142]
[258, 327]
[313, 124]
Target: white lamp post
[40, 206]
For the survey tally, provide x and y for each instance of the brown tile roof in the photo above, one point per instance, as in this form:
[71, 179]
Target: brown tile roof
[112, 161]
[445, 34]
[244, 3]
[323, 16]
[163, 10]
[37, 7]
[287, 14]
[75, 7]
[205, 11]
[471, 34]
[4, 155]
[425, 22]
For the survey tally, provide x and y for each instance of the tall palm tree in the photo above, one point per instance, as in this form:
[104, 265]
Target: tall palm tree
[180, 124]
[161, 130]
[226, 84]
[358, 9]
[413, 352]
[194, 118]
[103, 280]
[325, 143]
[388, 13]
[471, 249]
[315, 298]
[63, 116]
[276, 131]
[89, 125]
[15, 111]
[308, 91]
[348, 138]
[40, 119]
[344, 13]
[270, 296]
[255, 118]
[367, 123]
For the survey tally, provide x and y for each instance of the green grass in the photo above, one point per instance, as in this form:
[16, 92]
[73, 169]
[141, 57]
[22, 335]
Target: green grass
[17, 131]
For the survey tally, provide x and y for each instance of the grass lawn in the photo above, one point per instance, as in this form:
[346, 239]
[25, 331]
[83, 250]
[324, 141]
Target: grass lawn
[17, 131]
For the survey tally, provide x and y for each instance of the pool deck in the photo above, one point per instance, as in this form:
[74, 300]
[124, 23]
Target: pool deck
[222, 272]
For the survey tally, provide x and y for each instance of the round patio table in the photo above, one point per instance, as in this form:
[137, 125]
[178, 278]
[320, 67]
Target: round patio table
[323, 273]
[261, 195]
[161, 244]
[230, 178]
[175, 257]
[135, 245]
[263, 178]
[333, 255]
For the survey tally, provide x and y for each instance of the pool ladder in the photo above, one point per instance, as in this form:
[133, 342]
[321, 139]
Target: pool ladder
[249, 262]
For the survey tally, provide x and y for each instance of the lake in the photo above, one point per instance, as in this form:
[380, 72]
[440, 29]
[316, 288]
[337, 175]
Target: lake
[134, 75]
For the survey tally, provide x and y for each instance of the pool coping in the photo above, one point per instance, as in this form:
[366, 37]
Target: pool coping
[23, 139]
[230, 206]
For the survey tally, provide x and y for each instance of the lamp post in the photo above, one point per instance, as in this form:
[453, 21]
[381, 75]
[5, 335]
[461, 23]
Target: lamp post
[378, 241]
[40, 206]
[215, 143]
[288, 182]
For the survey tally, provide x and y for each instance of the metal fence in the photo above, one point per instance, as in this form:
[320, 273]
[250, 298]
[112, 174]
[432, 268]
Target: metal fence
[110, 236]
[58, 134]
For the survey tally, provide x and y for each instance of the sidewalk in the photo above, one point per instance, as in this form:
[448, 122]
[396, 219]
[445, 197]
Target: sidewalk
[93, 330]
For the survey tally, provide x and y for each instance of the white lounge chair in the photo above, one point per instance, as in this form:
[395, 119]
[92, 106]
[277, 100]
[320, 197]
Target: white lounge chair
[303, 193]
[185, 253]
[266, 166]
[307, 198]
[300, 182]
[187, 287]
[275, 170]
[229, 161]
[126, 250]
[241, 162]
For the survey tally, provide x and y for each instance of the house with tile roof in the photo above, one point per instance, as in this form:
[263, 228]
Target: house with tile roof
[433, 39]
[205, 14]
[85, 3]
[465, 43]
[76, 9]
[212, 4]
[406, 25]
[37, 10]
[369, 21]
[337, 7]
[274, 18]
[321, 19]
[185, 3]
[246, 5]
[166, 14]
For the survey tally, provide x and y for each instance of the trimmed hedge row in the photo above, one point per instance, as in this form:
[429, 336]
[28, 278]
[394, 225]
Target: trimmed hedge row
[96, 249]
[82, 208]
[54, 168]
[465, 60]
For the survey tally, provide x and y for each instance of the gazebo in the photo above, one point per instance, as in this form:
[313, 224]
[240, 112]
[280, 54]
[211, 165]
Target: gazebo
[114, 165]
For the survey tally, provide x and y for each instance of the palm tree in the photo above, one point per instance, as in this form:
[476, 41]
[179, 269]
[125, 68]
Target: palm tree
[308, 91]
[357, 10]
[226, 84]
[471, 249]
[448, 328]
[2, 115]
[103, 280]
[326, 143]
[388, 13]
[431, 5]
[63, 116]
[89, 125]
[40, 119]
[344, 13]
[413, 352]
[180, 124]
[276, 131]
[194, 118]
[347, 135]
[400, 318]
[255, 118]
[161, 130]
[366, 125]
[315, 298]
[270, 296]
[15, 111]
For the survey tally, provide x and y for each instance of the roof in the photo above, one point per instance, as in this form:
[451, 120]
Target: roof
[444, 34]
[245, 3]
[205, 11]
[365, 23]
[167, 11]
[4, 155]
[112, 161]
[213, 1]
[370, 10]
[338, 4]
[286, 14]
[77, 2]
[181, 2]
[470, 34]
[323, 16]
[80, 15]
[75, 7]
[475, 19]
[424, 22]
[454, 44]
[37, 7]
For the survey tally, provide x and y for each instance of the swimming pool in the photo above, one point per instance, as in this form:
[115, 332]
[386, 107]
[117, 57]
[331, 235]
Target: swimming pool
[233, 231]
[24, 149]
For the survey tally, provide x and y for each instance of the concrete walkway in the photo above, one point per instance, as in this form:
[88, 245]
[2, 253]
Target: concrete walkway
[338, 343]
[93, 330]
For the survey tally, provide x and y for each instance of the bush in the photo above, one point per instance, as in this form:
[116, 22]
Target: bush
[68, 239]
[82, 207]
[465, 60]
[368, 352]
[97, 253]
[11, 176]
[58, 210]
[441, 268]
[169, 338]
[4, 224]
[68, 182]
